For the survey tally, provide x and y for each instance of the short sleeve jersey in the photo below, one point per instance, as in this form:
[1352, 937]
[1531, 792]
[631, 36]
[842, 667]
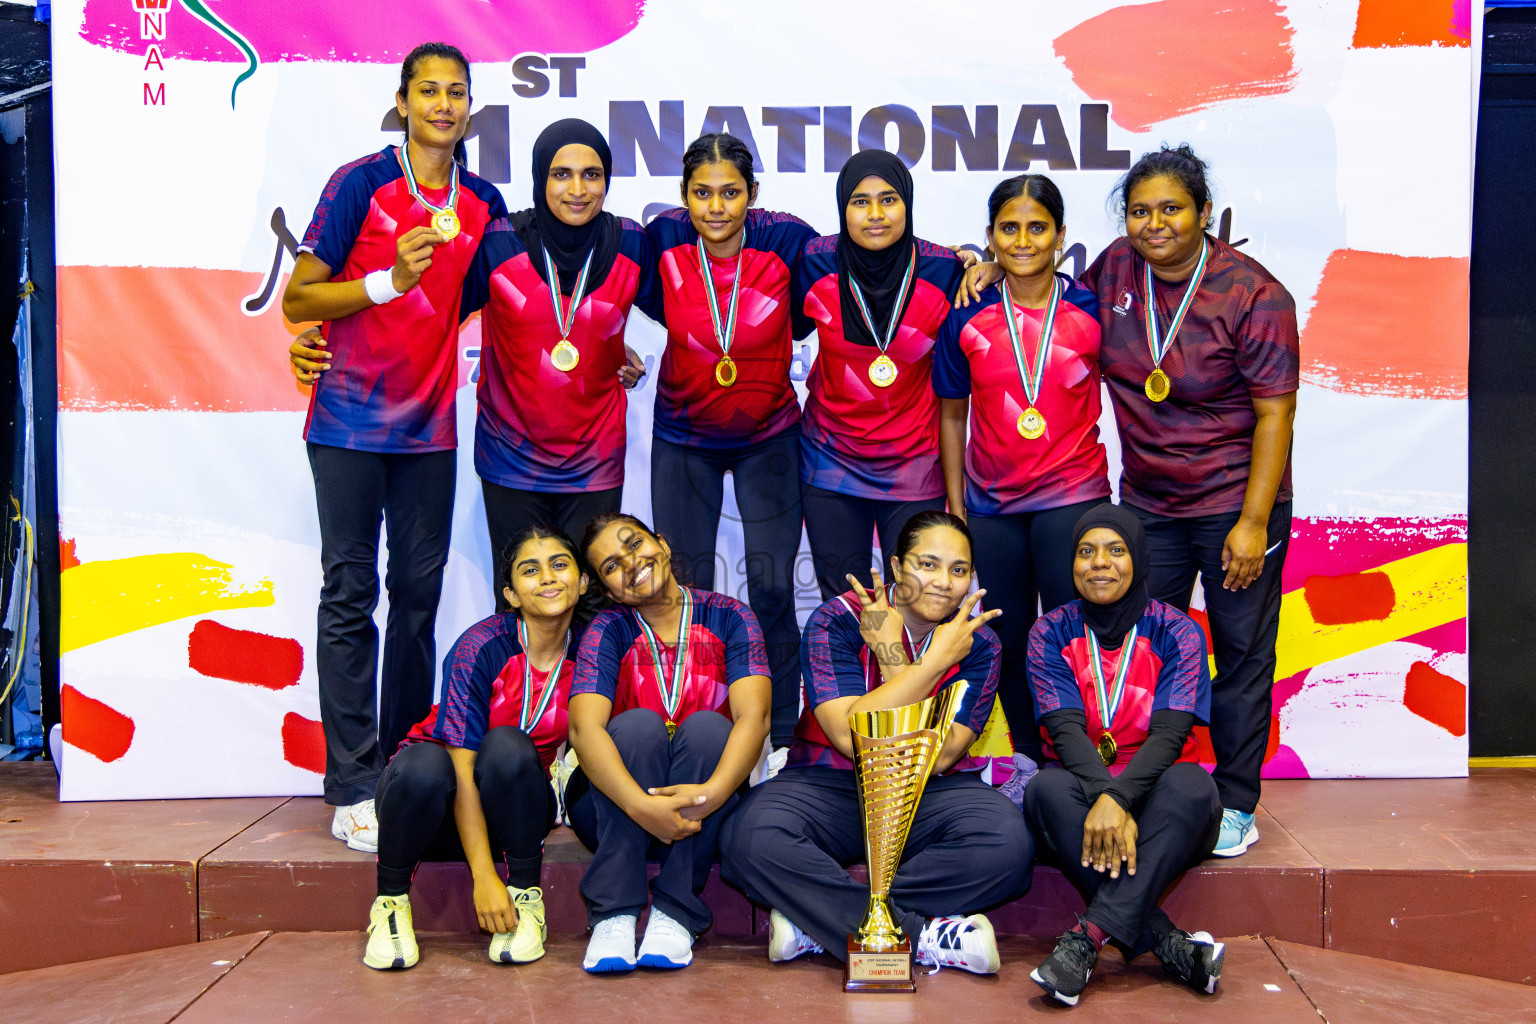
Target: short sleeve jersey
[835, 662]
[1005, 472]
[1168, 671]
[394, 367]
[482, 689]
[692, 408]
[1189, 455]
[540, 428]
[724, 644]
[859, 439]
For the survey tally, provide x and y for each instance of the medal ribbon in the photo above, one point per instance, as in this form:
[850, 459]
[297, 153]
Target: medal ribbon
[1109, 700]
[671, 696]
[565, 320]
[1161, 345]
[725, 331]
[901, 299]
[525, 721]
[415, 189]
[1032, 378]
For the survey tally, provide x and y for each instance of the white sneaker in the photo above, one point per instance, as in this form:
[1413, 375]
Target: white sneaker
[785, 941]
[964, 942]
[612, 946]
[667, 943]
[526, 944]
[357, 825]
[391, 936]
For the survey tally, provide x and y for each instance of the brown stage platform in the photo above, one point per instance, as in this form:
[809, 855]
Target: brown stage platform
[318, 976]
[1433, 872]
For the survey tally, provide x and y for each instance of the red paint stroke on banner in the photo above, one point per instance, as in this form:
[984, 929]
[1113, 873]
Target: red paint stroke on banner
[1156, 61]
[1356, 597]
[303, 743]
[1333, 547]
[345, 31]
[243, 656]
[1389, 325]
[1384, 23]
[96, 728]
[1436, 697]
[67, 557]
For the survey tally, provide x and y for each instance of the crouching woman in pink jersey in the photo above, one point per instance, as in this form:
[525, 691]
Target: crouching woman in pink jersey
[669, 709]
[471, 782]
[1122, 805]
[789, 844]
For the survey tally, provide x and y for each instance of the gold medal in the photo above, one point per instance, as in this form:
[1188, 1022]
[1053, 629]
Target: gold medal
[446, 223]
[671, 728]
[725, 371]
[1158, 386]
[1031, 423]
[565, 357]
[882, 372]
[1107, 749]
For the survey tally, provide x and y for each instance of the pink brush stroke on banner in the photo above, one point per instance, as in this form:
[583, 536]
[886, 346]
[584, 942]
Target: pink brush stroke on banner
[342, 31]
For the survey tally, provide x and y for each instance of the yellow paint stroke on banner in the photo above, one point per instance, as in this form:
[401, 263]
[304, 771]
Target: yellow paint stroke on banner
[121, 595]
[993, 741]
[1431, 590]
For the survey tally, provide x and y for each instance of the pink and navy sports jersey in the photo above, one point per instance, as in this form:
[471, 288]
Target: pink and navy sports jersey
[482, 689]
[539, 428]
[1189, 455]
[692, 409]
[725, 644]
[836, 662]
[1168, 671]
[1006, 473]
[394, 367]
[859, 439]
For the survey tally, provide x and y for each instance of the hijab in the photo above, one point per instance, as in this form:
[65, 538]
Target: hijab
[879, 274]
[1110, 622]
[542, 231]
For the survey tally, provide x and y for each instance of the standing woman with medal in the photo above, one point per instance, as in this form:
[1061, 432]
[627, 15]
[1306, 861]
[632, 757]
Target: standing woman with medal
[669, 710]
[877, 296]
[1202, 361]
[383, 265]
[556, 283]
[1022, 366]
[1124, 807]
[724, 398]
[471, 781]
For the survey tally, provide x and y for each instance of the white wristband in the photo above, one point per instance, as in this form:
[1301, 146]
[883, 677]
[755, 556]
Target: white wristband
[380, 287]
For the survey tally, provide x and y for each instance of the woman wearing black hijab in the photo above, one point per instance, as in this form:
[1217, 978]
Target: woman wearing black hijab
[556, 283]
[876, 295]
[1122, 803]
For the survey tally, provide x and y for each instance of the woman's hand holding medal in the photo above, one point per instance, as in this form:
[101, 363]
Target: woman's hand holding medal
[413, 255]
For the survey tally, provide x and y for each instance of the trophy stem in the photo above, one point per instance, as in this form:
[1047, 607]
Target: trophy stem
[879, 930]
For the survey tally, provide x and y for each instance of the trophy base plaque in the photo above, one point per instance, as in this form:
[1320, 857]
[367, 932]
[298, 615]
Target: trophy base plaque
[886, 971]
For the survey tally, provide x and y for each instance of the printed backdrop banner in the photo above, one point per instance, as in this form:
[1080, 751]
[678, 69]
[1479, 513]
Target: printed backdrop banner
[194, 139]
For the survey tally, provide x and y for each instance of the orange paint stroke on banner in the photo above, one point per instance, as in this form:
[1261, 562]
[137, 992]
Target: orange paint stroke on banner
[171, 338]
[94, 727]
[1389, 325]
[1384, 23]
[1156, 61]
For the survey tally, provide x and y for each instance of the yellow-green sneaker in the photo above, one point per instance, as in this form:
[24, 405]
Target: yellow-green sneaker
[526, 944]
[391, 937]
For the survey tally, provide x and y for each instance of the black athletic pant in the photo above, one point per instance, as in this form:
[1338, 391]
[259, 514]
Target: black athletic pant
[839, 528]
[687, 489]
[508, 512]
[1024, 562]
[1244, 627]
[790, 841]
[415, 805]
[615, 880]
[1177, 821]
[413, 496]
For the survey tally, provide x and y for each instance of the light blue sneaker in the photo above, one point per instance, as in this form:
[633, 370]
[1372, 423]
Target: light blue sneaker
[1238, 832]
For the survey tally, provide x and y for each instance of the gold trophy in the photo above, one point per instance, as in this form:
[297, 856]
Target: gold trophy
[894, 753]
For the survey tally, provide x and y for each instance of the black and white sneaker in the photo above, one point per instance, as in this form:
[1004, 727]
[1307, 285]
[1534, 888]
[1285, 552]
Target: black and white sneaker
[1194, 959]
[1065, 972]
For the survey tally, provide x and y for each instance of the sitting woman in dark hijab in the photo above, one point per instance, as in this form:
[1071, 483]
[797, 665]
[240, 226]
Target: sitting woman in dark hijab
[1120, 680]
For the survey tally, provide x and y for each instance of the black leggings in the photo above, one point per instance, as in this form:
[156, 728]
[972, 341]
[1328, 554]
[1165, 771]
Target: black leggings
[415, 807]
[508, 512]
[840, 526]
